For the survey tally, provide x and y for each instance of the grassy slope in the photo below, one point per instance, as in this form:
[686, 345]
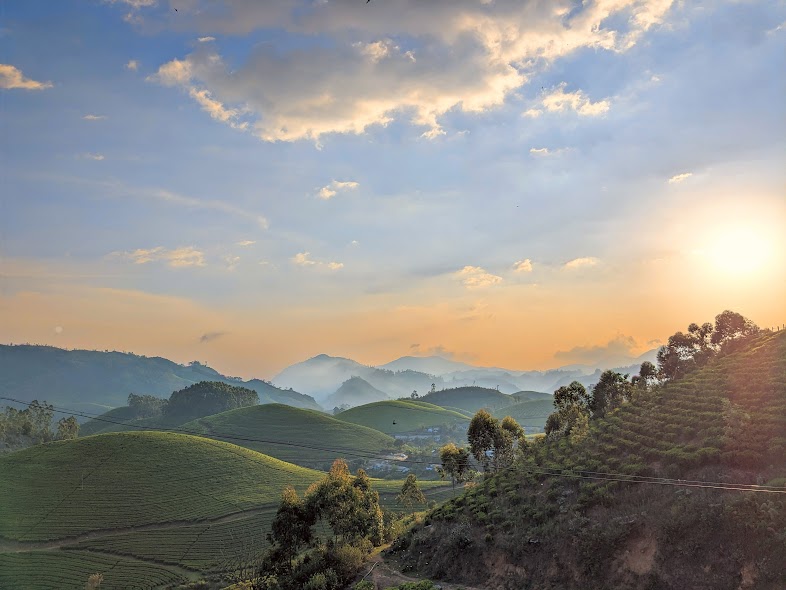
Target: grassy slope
[130, 479]
[114, 481]
[408, 416]
[285, 424]
[470, 399]
[724, 423]
[531, 414]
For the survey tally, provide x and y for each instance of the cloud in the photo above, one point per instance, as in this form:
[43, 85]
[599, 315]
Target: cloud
[206, 39]
[232, 262]
[354, 243]
[217, 110]
[559, 101]
[523, 265]
[303, 259]
[135, 4]
[244, 243]
[532, 113]
[677, 178]
[94, 117]
[409, 60]
[545, 152]
[475, 277]
[210, 336]
[178, 258]
[332, 189]
[584, 262]
[618, 350]
[11, 77]
[215, 205]
[89, 156]
[132, 65]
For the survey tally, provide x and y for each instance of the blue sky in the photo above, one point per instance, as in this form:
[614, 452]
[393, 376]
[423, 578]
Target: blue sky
[499, 180]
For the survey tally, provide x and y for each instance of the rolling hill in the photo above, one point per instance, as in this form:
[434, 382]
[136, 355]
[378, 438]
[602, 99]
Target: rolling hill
[683, 487]
[86, 379]
[146, 509]
[470, 399]
[530, 414]
[396, 416]
[278, 423]
[355, 392]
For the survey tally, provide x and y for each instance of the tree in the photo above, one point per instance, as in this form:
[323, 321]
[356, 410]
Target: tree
[414, 394]
[291, 527]
[647, 374]
[94, 581]
[481, 435]
[574, 394]
[411, 494]
[455, 463]
[67, 428]
[611, 390]
[730, 325]
[510, 436]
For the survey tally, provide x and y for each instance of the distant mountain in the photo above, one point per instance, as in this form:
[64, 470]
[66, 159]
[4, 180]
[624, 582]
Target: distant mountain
[355, 392]
[87, 378]
[431, 365]
[322, 375]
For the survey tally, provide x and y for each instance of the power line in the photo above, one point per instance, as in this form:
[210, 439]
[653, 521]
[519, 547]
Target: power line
[570, 473]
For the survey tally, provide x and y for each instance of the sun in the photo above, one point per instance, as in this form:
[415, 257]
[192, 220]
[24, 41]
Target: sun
[737, 252]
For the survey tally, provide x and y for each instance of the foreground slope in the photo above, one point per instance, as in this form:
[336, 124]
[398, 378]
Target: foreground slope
[397, 416]
[304, 437]
[568, 516]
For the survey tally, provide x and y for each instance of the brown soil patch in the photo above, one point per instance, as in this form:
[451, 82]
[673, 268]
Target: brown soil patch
[639, 557]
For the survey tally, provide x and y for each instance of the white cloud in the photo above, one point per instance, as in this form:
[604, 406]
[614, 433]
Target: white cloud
[475, 277]
[11, 77]
[354, 243]
[523, 265]
[206, 39]
[215, 205]
[332, 189]
[89, 156]
[677, 178]
[135, 4]
[558, 101]
[232, 262]
[177, 258]
[217, 110]
[335, 265]
[584, 262]
[244, 243]
[303, 259]
[94, 117]
[532, 113]
[132, 65]
[468, 57]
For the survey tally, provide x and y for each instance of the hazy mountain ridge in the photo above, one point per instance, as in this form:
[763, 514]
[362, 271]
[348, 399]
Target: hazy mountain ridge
[78, 377]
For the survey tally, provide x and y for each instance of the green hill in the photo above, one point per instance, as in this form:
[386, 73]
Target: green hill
[278, 423]
[527, 396]
[470, 399]
[146, 509]
[530, 414]
[624, 506]
[397, 416]
[81, 379]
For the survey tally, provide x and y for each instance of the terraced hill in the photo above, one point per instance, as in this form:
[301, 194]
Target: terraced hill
[530, 414]
[624, 506]
[146, 509]
[319, 436]
[470, 399]
[397, 416]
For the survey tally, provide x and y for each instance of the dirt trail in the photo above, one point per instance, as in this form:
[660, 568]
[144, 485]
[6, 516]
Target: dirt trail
[12, 546]
[384, 575]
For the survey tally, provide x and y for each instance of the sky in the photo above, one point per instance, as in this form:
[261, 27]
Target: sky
[516, 183]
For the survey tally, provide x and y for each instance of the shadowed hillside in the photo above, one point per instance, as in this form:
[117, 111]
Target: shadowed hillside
[397, 416]
[355, 392]
[624, 506]
[470, 399]
[313, 431]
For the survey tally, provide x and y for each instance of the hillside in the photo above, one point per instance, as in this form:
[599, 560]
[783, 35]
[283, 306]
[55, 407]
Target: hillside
[146, 509]
[80, 379]
[355, 392]
[556, 521]
[432, 365]
[470, 399]
[397, 416]
[315, 431]
[531, 414]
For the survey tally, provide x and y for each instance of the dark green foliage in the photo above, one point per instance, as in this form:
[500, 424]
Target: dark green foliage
[67, 428]
[207, 398]
[455, 463]
[146, 406]
[611, 390]
[411, 494]
[23, 428]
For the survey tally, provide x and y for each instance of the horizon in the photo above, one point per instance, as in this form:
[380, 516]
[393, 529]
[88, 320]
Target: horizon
[533, 184]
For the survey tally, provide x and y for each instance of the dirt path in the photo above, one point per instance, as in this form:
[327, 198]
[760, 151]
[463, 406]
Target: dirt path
[12, 546]
[384, 575]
